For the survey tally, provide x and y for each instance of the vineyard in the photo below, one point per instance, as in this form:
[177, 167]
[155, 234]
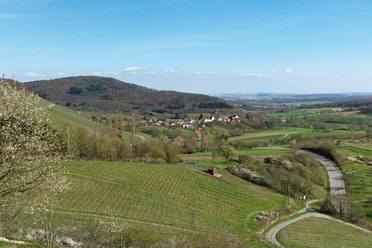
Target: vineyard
[182, 201]
[173, 198]
[313, 230]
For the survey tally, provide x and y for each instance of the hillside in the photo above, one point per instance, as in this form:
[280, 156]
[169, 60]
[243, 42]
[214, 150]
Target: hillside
[175, 200]
[90, 93]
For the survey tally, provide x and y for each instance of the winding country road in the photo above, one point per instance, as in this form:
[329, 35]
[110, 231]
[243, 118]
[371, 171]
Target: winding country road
[337, 187]
[271, 235]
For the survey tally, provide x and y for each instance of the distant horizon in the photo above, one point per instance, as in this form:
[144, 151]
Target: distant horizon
[218, 93]
[193, 46]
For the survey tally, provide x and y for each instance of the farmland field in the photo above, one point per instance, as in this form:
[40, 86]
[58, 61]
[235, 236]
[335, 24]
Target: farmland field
[266, 151]
[292, 132]
[173, 198]
[318, 232]
[271, 133]
[358, 183]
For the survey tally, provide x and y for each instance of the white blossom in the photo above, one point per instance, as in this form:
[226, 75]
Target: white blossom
[30, 151]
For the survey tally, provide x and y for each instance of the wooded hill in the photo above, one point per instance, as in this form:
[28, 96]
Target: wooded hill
[91, 93]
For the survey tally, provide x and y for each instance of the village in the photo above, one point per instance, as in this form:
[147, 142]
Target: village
[193, 123]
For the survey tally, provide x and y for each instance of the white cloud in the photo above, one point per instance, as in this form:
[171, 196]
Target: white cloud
[287, 70]
[255, 74]
[60, 74]
[170, 71]
[132, 68]
[106, 73]
[34, 75]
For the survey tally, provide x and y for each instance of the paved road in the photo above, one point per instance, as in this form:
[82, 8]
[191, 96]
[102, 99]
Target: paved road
[271, 235]
[337, 187]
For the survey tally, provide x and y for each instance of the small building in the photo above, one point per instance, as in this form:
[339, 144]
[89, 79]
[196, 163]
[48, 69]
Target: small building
[185, 124]
[212, 170]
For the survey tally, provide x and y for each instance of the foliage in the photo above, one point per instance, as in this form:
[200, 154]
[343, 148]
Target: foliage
[190, 144]
[31, 151]
[292, 174]
[326, 149]
[112, 144]
[249, 175]
[75, 90]
[214, 105]
[228, 152]
[367, 109]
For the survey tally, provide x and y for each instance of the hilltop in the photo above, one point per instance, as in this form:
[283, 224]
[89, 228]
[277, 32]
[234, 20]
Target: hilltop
[91, 93]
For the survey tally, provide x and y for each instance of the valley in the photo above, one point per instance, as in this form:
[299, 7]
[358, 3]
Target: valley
[140, 178]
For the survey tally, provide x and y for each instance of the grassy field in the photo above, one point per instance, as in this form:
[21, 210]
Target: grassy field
[61, 116]
[318, 232]
[264, 134]
[359, 183]
[170, 198]
[255, 152]
[263, 151]
[325, 115]
[292, 132]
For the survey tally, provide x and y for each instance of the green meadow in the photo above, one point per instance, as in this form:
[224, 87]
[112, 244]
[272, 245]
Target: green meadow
[290, 132]
[358, 183]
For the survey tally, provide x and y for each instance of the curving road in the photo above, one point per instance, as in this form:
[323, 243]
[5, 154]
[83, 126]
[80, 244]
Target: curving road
[337, 187]
[271, 235]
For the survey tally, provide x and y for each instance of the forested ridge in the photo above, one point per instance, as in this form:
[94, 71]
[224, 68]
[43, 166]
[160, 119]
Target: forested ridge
[91, 93]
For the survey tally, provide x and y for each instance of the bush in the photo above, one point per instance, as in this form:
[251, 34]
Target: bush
[244, 158]
[249, 175]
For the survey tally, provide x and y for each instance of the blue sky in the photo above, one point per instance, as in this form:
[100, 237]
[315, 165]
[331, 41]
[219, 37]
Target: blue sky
[199, 46]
